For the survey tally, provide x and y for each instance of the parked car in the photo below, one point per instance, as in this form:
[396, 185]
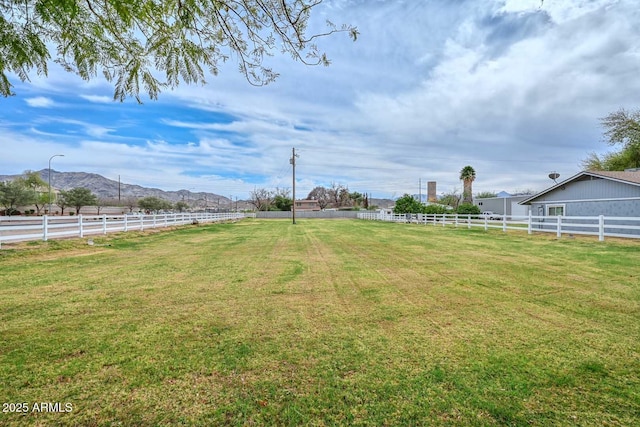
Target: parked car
[490, 215]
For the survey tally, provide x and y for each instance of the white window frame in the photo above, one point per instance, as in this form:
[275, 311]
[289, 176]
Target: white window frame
[558, 205]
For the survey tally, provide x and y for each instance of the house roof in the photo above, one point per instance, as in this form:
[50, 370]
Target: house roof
[627, 177]
[630, 177]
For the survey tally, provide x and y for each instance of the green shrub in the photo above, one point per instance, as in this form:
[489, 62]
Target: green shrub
[468, 209]
[435, 209]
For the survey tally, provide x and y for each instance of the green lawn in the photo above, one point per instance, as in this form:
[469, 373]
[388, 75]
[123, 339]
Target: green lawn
[326, 322]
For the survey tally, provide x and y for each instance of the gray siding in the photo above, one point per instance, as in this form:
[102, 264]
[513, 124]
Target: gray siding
[590, 189]
[630, 208]
[612, 208]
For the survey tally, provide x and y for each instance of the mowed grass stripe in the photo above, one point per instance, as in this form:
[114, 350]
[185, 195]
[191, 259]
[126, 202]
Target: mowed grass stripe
[322, 323]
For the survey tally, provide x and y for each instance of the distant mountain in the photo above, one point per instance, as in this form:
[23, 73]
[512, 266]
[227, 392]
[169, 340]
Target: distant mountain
[108, 188]
[381, 203]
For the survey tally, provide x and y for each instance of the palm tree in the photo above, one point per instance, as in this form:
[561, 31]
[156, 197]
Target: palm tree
[467, 175]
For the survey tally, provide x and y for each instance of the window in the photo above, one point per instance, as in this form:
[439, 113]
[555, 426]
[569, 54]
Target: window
[555, 210]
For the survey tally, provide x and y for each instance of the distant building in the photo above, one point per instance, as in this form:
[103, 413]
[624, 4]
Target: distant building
[307, 205]
[503, 204]
[432, 197]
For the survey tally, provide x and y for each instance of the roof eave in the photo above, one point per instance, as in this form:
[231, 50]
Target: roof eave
[550, 189]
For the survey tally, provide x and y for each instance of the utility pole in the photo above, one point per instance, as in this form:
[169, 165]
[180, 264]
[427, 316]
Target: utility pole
[293, 163]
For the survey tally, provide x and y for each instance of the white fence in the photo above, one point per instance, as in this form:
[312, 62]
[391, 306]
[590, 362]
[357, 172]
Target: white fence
[601, 226]
[22, 228]
[307, 214]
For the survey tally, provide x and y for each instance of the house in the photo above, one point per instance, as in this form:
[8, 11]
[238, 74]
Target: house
[307, 205]
[504, 204]
[590, 193]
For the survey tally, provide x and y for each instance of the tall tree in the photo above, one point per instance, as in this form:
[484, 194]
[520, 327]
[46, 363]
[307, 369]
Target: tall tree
[34, 181]
[337, 193]
[181, 206]
[134, 42]
[282, 203]
[282, 199]
[154, 204]
[78, 197]
[131, 202]
[356, 198]
[622, 128]
[14, 194]
[451, 199]
[613, 161]
[61, 202]
[321, 195]
[262, 198]
[467, 175]
[344, 197]
[408, 204]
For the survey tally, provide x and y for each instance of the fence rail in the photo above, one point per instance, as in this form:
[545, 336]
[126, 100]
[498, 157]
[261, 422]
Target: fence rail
[307, 214]
[20, 228]
[601, 226]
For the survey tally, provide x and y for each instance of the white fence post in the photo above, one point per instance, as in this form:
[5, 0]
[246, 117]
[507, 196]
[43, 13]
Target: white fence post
[104, 224]
[601, 228]
[154, 220]
[45, 227]
[80, 230]
[559, 229]
[125, 226]
[142, 222]
[504, 222]
[530, 224]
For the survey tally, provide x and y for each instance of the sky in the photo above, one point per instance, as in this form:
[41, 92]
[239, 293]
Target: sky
[514, 88]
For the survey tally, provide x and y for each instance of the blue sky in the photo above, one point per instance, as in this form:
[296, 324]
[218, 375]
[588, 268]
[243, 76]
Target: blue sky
[514, 88]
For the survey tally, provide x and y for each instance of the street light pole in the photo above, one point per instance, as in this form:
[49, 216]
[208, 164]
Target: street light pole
[55, 155]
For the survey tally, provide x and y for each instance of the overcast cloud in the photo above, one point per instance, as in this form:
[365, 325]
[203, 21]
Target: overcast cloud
[513, 88]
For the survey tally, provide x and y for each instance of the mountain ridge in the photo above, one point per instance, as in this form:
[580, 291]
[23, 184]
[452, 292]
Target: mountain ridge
[110, 189]
[105, 188]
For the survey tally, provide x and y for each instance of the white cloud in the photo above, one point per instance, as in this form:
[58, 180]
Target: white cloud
[100, 99]
[511, 87]
[40, 102]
